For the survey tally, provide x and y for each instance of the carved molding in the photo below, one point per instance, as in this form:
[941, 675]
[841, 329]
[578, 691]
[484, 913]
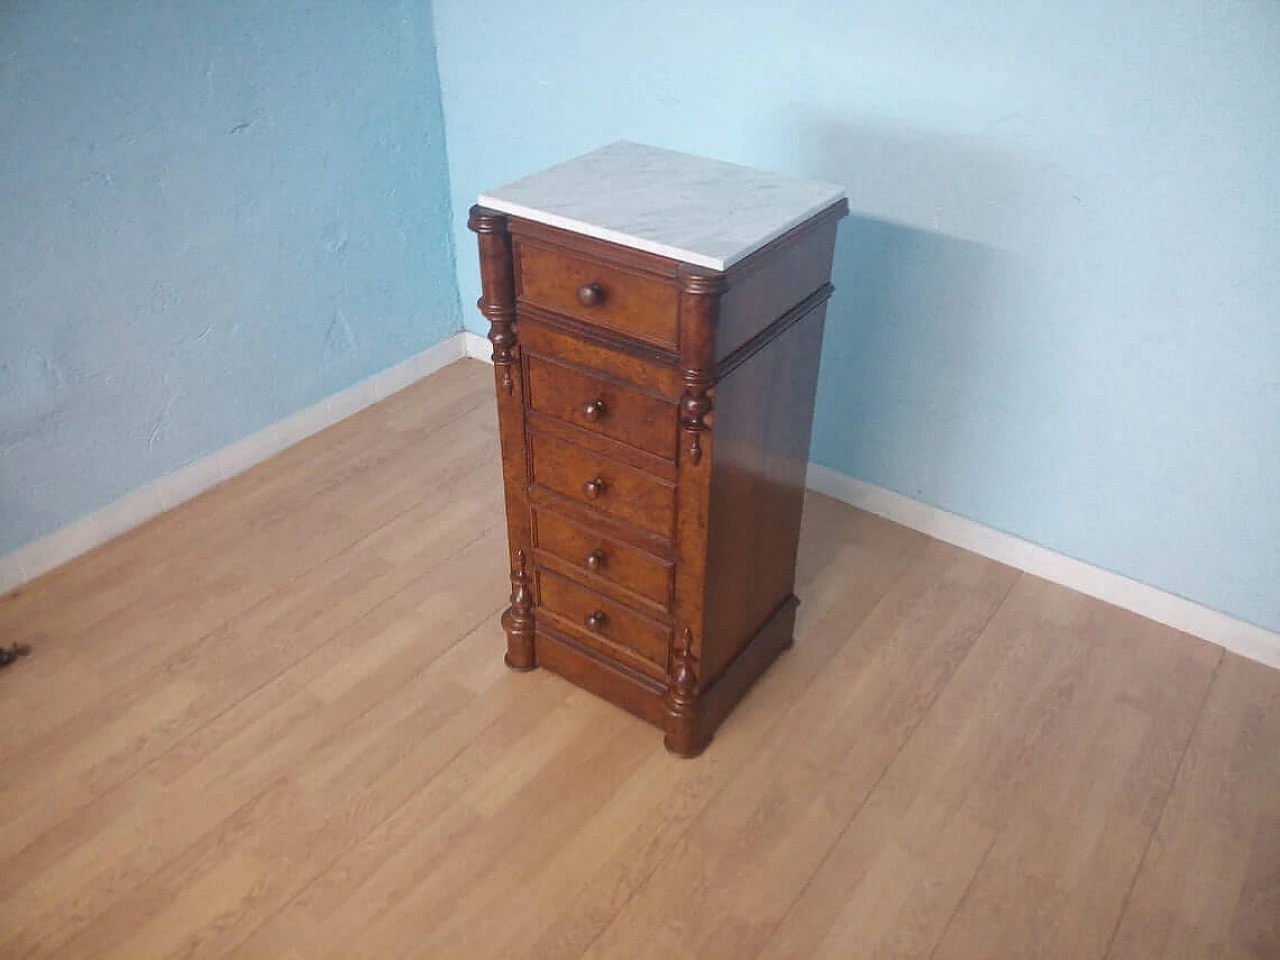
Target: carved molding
[497, 304]
[695, 406]
[517, 620]
[682, 694]
[700, 293]
[502, 334]
[703, 284]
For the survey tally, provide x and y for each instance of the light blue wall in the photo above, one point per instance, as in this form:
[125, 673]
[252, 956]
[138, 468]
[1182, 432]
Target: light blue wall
[213, 213]
[1059, 294]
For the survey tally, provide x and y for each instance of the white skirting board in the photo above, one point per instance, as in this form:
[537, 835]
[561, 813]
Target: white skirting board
[1240, 637]
[30, 561]
[478, 348]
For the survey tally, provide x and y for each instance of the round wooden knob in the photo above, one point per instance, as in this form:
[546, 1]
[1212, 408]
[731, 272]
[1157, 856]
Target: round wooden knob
[594, 410]
[596, 621]
[594, 488]
[595, 560]
[591, 294]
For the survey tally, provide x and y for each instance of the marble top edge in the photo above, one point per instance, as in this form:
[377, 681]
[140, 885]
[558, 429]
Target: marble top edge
[639, 243]
[600, 233]
[701, 211]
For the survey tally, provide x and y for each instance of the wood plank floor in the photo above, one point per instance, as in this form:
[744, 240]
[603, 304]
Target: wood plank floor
[274, 722]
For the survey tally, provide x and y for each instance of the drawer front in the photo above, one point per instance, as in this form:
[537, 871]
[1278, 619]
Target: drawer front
[651, 374]
[605, 625]
[603, 407]
[603, 483]
[603, 557]
[605, 296]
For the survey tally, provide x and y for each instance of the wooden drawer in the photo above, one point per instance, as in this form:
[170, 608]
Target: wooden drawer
[653, 374]
[603, 624]
[608, 559]
[603, 406]
[603, 483]
[632, 304]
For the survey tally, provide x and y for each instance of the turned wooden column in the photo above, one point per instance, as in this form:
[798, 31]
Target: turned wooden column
[700, 293]
[498, 304]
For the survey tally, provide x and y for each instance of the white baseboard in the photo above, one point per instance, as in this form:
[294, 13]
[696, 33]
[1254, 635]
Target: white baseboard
[478, 348]
[28, 562]
[1246, 639]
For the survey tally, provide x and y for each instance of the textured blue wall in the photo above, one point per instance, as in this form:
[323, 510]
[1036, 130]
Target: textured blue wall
[1057, 306]
[213, 213]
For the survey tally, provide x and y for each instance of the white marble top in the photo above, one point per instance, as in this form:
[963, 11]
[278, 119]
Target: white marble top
[675, 205]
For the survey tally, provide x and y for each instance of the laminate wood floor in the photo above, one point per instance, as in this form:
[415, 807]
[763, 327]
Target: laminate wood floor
[274, 723]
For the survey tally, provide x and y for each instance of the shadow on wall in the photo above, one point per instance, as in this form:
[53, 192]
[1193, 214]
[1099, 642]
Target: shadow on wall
[936, 379]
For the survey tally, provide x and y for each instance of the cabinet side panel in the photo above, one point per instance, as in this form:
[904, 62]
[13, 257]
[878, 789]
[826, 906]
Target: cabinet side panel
[771, 282]
[763, 418]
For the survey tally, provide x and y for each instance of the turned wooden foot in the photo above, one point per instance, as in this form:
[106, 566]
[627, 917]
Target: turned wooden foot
[520, 654]
[517, 665]
[682, 724]
[685, 739]
[517, 621]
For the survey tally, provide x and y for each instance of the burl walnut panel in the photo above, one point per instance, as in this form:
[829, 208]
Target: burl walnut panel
[596, 292]
[601, 404]
[655, 420]
[601, 561]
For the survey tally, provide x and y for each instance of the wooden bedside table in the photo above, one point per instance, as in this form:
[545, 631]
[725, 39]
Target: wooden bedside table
[656, 322]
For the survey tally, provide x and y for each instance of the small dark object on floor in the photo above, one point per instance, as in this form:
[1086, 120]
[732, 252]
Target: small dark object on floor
[10, 654]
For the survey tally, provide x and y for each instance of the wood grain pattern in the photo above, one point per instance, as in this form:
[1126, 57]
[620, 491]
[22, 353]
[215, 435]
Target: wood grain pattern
[596, 404]
[577, 511]
[756, 492]
[751, 852]
[1210, 883]
[628, 258]
[615, 562]
[638, 692]
[955, 759]
[629, 303]
[775, 278]
[546, 334]
[1013, 827]
[624, 492]
[604, 624]
[596, 442]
